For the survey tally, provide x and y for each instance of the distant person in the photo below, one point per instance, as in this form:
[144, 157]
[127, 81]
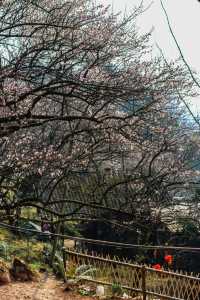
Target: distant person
[45, 226]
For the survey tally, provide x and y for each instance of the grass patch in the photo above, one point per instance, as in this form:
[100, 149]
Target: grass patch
[27, 249]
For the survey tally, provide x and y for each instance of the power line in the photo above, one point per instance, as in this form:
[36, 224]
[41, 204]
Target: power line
[178, 46]
[183, 59]
[179, 94]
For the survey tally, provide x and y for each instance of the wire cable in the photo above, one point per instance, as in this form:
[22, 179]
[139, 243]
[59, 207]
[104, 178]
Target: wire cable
[101, 242]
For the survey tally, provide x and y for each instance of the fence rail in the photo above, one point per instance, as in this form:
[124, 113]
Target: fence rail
[100, 242]
[135, 279]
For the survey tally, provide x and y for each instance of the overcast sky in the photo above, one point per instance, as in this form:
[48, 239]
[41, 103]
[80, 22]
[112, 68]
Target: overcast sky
[185, 20]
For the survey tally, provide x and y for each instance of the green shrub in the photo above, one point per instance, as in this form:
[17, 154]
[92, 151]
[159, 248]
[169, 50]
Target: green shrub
[116, 289]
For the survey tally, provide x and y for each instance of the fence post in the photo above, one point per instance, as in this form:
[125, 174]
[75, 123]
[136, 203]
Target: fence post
[64, 262]
[143, 271]
[64, 257]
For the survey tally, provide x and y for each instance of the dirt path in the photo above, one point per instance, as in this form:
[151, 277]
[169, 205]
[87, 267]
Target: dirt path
[47, 289]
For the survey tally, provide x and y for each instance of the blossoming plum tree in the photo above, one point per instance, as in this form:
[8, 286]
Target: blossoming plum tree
[68, 73]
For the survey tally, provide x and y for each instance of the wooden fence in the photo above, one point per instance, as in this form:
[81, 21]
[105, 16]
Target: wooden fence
[135, 279]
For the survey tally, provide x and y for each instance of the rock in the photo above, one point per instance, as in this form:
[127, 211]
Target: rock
[88, 287]
[70, 285]
[4, 273]
[100, 291]
[20, 271]
[125, 296]
[5, 278]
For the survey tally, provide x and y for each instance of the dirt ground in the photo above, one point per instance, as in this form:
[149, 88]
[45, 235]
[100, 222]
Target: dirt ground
[45, 289]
